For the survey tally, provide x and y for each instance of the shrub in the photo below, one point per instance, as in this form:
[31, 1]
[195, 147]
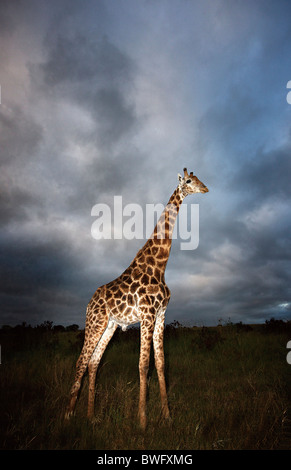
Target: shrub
[277, 326]
[206, 338]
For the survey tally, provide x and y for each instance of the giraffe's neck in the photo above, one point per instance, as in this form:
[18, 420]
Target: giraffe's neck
[158, 246]
[165, 225]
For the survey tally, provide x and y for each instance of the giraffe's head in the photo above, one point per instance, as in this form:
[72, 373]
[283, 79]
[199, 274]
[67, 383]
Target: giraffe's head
[190, 184]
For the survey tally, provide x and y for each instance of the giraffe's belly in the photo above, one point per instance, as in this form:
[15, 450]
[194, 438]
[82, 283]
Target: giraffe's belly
[123, 306]
[124, 321]
[128, 306]
[121, 323]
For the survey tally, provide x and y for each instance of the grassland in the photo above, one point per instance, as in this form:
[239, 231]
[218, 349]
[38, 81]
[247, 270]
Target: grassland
[228, 388]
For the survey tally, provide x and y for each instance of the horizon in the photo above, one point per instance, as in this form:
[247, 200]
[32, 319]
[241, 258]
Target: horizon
[50, 326]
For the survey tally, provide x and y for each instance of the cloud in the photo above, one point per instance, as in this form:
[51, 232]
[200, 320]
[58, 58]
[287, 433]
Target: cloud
[20, 138]
[97, 76]
[20, 135]
[80, 58]
[265, 176]
[270, 216]
[103, 101]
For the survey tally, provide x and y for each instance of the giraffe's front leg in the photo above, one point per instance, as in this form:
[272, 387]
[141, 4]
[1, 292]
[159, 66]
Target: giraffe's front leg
[158, 340]
[146, 331]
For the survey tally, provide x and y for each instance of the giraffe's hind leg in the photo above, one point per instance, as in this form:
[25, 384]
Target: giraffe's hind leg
[96, 323]
[94, 363]
[160, 361]
[146, 335]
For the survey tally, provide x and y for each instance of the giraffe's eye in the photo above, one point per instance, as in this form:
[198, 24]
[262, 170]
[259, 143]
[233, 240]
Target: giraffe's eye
[188, 181]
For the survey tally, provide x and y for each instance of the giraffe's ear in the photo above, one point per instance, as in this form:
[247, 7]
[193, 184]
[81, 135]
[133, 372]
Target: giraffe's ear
[180, 178]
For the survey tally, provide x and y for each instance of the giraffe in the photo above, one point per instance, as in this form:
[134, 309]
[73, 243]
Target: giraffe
[139, 294]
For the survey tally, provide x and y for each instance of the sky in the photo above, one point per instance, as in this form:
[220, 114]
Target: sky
[110, 98]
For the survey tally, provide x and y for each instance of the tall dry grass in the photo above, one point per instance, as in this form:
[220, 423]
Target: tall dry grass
[228, 388]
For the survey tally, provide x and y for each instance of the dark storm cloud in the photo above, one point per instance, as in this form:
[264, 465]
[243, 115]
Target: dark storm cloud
[81, 59]
[108, 101]
[30, 271]
[249, 287]
[243, 259]
[7, 25]
[40, 270]
[46, 276]
[266, 175]
[29, 266]
[98, 76]
[20, 137]
[16, 204]
[114, 116]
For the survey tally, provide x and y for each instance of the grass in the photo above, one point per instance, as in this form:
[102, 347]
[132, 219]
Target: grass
[228, 388]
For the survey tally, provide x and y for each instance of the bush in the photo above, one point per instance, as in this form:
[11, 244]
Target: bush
[207, 338]
[277, 326]
[241, 327]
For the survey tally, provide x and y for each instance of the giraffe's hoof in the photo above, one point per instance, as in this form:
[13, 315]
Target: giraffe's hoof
[168, 420]
[142, 427]
[142, 423]
[68, 415]
[91, 417]
[94, 420]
